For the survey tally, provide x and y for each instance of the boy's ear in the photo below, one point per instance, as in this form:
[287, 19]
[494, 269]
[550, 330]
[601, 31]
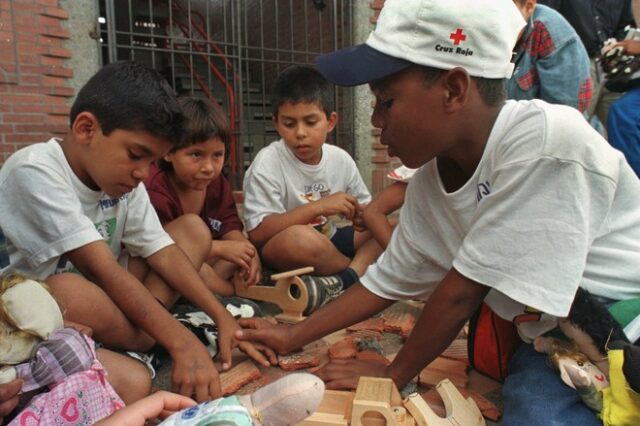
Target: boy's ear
[85, 126]
[457, 86]
[333, 120]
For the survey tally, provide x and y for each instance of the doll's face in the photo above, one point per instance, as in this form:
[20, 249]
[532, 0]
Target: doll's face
[575, 373]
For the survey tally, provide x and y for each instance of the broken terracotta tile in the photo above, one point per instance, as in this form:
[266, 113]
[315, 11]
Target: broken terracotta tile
[445, 368]
[343, 349]
[238, 376]
[366, 334]
[372, 356]
[399, 322]
[298, 361]
[373, 324]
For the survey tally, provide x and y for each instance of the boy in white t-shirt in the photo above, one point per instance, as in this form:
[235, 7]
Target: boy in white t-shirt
[302, 194]
[74, 212]
[518, 204]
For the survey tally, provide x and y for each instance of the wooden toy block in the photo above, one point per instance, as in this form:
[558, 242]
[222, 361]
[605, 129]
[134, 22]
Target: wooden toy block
[459, 411]
[335, 409]
[289, 293]
[377, 402]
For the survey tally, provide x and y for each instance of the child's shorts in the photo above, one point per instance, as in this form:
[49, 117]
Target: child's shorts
[342, 239]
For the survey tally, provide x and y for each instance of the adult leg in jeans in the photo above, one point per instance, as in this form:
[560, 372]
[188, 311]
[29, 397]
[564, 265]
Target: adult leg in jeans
[534, 394]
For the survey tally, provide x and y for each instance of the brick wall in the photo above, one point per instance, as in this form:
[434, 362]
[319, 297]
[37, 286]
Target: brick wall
[33, 78]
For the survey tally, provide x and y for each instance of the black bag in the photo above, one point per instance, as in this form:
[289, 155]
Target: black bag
[622, 72]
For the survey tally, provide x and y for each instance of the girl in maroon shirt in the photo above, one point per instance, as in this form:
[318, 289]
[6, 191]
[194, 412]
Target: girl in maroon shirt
[189, 180]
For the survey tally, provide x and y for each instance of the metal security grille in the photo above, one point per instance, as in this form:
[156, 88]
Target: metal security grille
[231, 51]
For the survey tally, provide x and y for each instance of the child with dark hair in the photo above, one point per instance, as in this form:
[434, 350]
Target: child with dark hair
[301, 194]
[76, 214]
[506, 208]
[189, 180]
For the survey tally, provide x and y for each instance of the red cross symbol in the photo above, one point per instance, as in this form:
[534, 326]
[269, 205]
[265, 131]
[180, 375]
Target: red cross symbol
[458, 37]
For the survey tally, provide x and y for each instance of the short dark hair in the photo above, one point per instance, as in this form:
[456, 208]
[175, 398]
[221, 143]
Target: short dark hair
[302, 83]
[204, 120]
[493, 91]
[129, 96]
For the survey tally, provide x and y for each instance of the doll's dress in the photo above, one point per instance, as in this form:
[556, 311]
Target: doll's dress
[79, 393]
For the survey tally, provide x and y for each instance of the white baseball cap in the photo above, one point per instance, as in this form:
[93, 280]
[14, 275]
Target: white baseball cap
[477, 35]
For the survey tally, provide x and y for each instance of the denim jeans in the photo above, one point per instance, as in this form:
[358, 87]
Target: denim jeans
[534, 394]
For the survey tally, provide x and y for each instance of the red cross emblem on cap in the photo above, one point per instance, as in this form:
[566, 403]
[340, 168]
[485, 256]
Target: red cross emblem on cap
[458, 37]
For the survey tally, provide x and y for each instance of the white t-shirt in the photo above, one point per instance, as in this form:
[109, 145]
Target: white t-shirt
[551, 207]
[277, 181]
[46, 211]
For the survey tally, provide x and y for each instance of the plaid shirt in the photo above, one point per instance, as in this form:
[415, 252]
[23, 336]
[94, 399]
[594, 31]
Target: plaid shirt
[551, 62]
[66, 352]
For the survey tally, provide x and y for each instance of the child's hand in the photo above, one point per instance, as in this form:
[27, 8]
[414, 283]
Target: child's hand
[227, 341]
[239, 252]
[259, 330]
[359, 223]
[9, 397]
[193, 373]
[253, 275]
[345, 373]
[339, 203]
[158, 405]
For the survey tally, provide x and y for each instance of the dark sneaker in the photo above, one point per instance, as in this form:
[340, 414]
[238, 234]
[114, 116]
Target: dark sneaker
[149, 359]
[321, 290]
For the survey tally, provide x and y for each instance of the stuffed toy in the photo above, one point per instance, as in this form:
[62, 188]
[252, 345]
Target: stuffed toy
[36, 347]
[287, 401]
[598, 361]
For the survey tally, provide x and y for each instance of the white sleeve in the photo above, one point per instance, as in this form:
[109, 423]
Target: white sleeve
[42, 215]
[530, 236]
[263, 192]
[143, 233]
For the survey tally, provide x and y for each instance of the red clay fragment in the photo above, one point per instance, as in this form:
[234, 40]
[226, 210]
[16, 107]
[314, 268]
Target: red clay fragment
[298, 361]
[398, 322]
[343, 349]
[373, 324]
[372, 356]
[238, 376]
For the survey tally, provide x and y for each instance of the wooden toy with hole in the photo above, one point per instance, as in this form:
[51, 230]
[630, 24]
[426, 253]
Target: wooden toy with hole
[289, 293]
[377, 402]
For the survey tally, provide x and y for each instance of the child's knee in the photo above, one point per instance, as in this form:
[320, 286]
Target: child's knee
[305, 240]
[189, 231]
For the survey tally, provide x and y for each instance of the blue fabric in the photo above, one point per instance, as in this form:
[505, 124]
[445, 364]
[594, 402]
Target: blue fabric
[551, 62]
[533, 394]
[624, 127]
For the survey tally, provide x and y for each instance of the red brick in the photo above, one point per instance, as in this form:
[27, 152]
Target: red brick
[48, 3]
[58, 119]
[21, 98]
[51, 61]
[66, 92]
[55, 12]
[56, 71]
[30, 48]
[48, 21]
[29, 59]
[56, 32]
[26, 138]
[47, 80]
[58, 52]
[5, 107]
[24, 118]
[6, 128]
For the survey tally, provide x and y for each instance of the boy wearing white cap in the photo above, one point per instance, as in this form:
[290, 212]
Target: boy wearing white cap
[517, 203]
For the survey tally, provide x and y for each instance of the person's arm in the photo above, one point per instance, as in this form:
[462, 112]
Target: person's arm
[339, 203]
[375, 214]
[193, 370]
[446, 311]
[631, 47]
[9, 397]
[354, 305]
[564, 76]
[175, 268]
